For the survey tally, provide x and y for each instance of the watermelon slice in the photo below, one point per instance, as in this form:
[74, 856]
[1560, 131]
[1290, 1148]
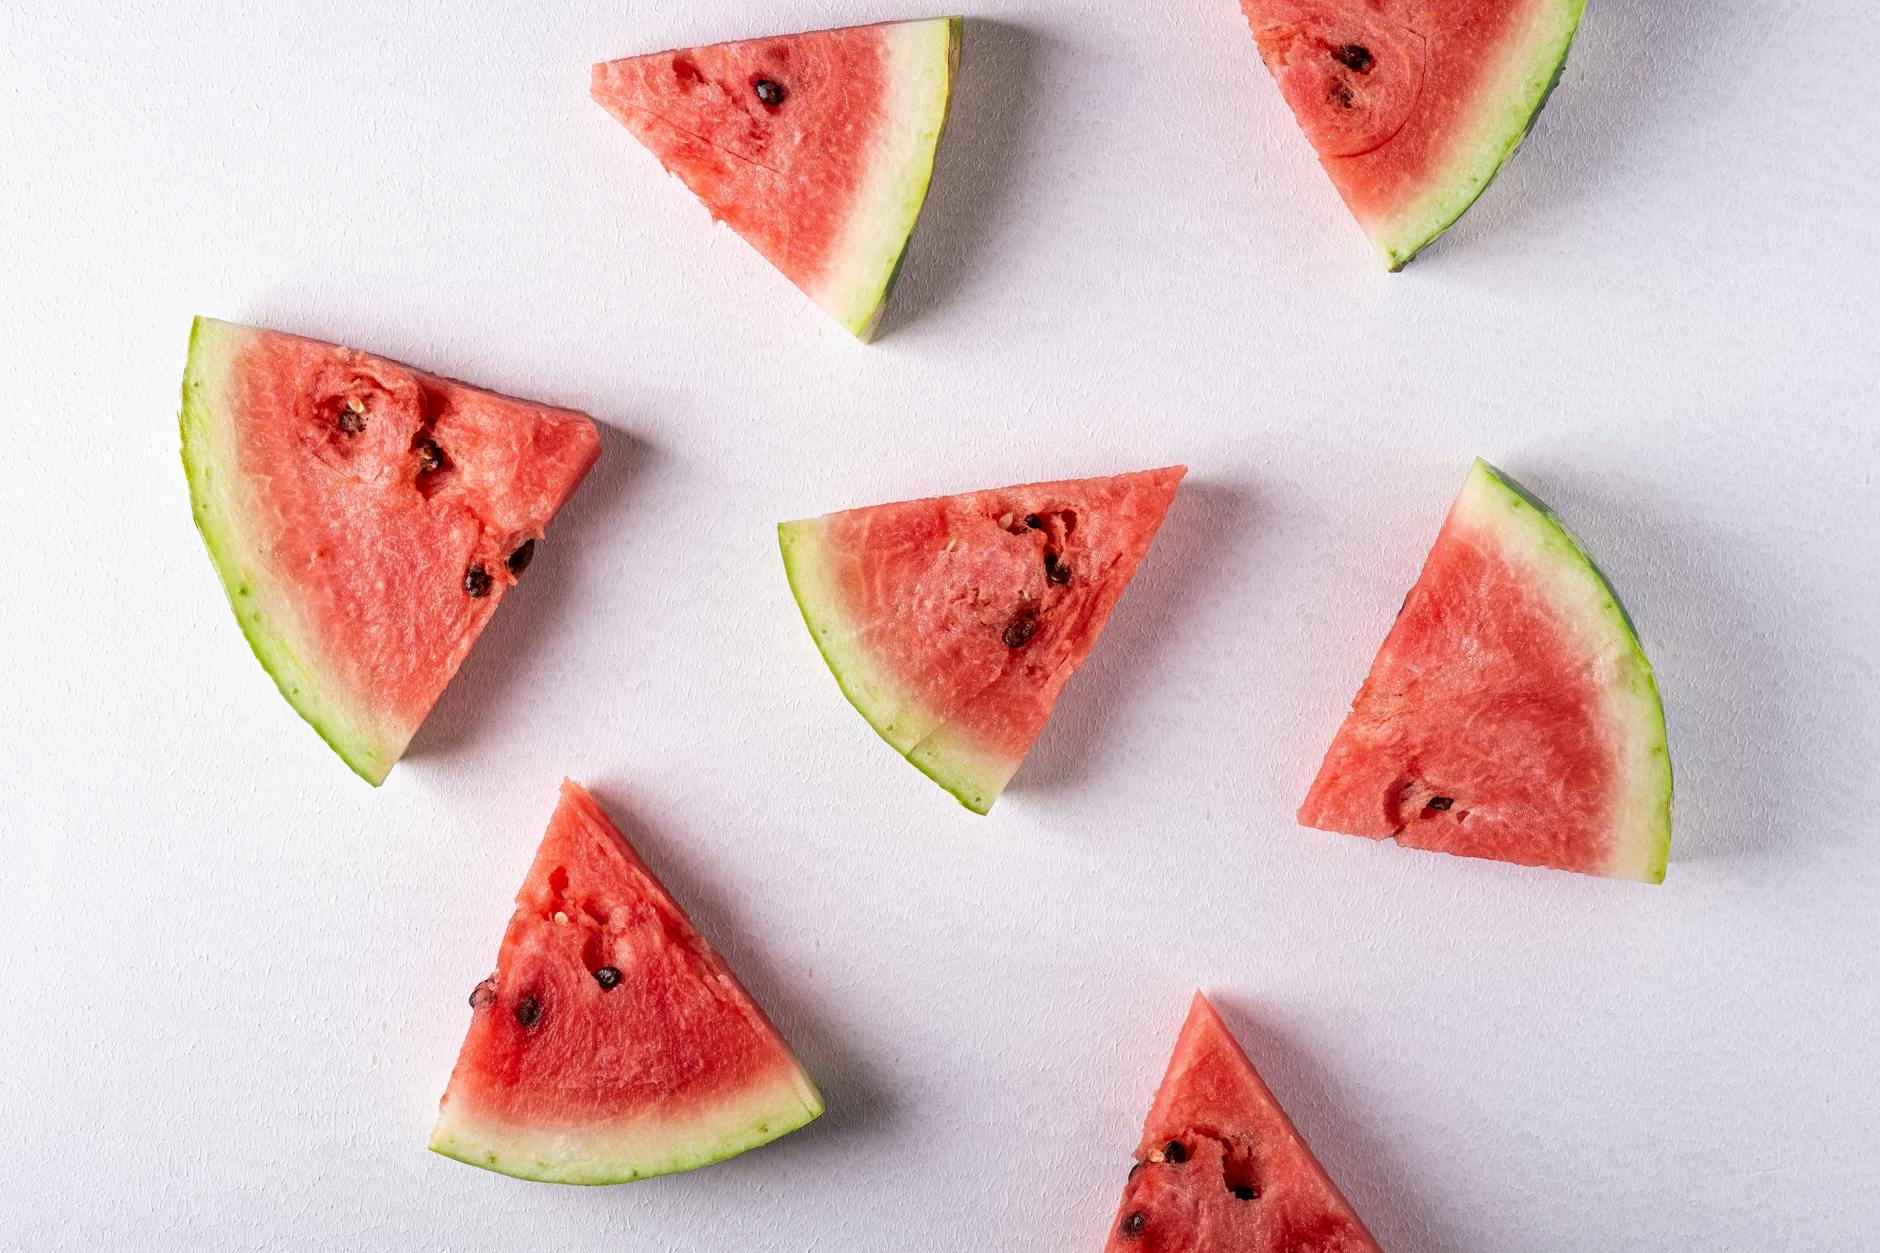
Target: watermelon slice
[612, 1043]
[366, 519]
[816, 148]
[1221, 1169]
[953, 623]
[1413, 107]
[1511, 712]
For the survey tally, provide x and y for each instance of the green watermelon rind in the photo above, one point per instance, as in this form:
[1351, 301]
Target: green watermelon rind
[610, 1154]
[1538, 60]
[862, 275]
[1492, 499]
[972, 777]
[263, 613]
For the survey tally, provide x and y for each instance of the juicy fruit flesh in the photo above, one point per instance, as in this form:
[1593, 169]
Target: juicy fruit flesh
[562, 1078]
[1221, 1166]
[366, 518]
[1509, 713]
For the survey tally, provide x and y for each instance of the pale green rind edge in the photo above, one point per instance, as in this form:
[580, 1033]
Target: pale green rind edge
[624, 1158]
[971, 778]
[1539, 64]
[1645, 849]
[213, 347]
[857, 292]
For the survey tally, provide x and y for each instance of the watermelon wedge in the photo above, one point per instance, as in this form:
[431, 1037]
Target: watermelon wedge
[1413, 107]
[612, 1043]
[366, 519]
[1221, 1169]
[816, 148]
[1511, 712]
[953, 623]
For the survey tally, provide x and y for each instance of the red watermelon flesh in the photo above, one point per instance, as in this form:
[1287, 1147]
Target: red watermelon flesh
[953, 623]
[816, 148]
[612, 1043]
[366, 519]
[1413, 107]
[1510, 712]
[1221, 1169]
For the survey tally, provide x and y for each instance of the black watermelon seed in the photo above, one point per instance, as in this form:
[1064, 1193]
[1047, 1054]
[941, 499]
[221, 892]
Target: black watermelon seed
[1441, 802]
[528, 1011]
[351, 421]
[1132, 1224]
[608, 977]
[1244, 1192]
[483, 994]
[1019, 631]
[1354, 57]
[1035, 522]
[476, 582]
[769, 92]
[1175, 1152]
[520, 559]
[430, 456]
[1055, 571]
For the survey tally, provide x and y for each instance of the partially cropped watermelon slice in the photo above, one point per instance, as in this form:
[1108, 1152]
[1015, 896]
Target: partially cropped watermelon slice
[816, 148]
[366, 519]
[953, 623]
[1221, 1169]
[612, 1043]
[1511, 712]
[1413, 107]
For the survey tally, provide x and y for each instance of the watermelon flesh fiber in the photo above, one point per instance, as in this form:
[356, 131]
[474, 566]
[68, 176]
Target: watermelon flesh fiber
[1510, 712]
[564, 1080]
[953, 623]
[347, 502]
[827, 176]
[1221, 1168]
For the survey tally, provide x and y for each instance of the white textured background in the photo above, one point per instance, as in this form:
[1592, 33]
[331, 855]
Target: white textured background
[233, 976]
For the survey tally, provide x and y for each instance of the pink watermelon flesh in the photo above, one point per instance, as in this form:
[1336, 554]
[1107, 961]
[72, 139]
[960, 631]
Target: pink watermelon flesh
[1510, 712]
[816, 148]
[953, 623]
[612, 1042]
[1221, 1169]
[366, 519]
[1413, 107]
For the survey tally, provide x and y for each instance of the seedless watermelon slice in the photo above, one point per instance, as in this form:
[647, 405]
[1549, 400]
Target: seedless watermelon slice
[366, 519]
[1511, 712]
[816, 148]
[1221, 1169]
[953, 623]
[612, 1043]
[1413, 107]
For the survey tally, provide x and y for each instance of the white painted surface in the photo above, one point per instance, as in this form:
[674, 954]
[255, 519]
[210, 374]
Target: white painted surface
[234, 976]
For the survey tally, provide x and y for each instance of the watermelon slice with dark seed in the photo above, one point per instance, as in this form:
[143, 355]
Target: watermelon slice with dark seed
[1510, 712]
[953, 623]
[1413, 107]
[1221, 1168]
[366, 519]
[816, 148]
[612, 1043]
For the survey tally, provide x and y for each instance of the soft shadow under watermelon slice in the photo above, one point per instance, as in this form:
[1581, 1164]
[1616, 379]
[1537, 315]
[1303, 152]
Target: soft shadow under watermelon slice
[612, 1043]
[1221, 1168]
[952, 623]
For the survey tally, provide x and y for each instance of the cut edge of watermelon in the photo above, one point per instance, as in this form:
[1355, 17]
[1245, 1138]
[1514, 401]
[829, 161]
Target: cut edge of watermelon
[974, 777]
[1534, 61]
[1491, 499]
[266, 615]
[622, 1153]
[862, 273]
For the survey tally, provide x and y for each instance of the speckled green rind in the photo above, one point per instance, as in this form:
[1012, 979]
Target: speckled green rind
[262, 607]
[616, 1153]
[1515, 98]
[1491, 499]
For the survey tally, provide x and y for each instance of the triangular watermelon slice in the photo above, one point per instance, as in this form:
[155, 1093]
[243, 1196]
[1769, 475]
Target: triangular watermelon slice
[612, 1043]
[1221, 1169]
[1413, 107]
[366, 519]
[953, 623]
[816, 148]
[1511, 712]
